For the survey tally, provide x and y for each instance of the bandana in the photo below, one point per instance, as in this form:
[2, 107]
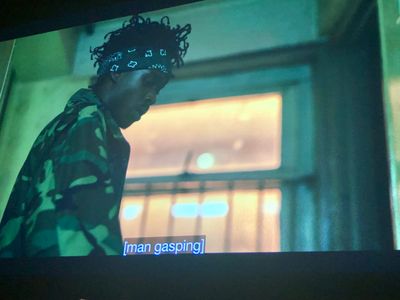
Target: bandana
[137, 58]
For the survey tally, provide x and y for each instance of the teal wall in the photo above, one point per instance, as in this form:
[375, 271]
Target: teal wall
[353, 204]
[31, 105]
[389, 15]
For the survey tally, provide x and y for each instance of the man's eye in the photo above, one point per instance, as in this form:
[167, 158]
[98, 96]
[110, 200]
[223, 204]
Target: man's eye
[155, 82]
[149, 82]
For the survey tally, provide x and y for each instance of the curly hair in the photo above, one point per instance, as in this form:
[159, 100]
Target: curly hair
[139, 31]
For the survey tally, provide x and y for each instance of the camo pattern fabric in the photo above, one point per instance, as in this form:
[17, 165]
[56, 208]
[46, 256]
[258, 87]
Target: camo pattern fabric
[66, 198]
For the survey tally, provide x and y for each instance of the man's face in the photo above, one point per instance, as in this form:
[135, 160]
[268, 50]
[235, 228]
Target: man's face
[132, 94]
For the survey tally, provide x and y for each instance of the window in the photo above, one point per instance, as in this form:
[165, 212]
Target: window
[229, 134]
[224, 166]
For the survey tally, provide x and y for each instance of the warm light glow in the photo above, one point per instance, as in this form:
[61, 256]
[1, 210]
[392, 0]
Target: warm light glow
[238, 144]
[230, 134]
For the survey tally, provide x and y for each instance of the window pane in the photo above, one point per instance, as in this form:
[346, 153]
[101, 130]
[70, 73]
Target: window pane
[215, 210]
[219, 135]
[244, 221]
[131, 222]
[158, 205]
[270, 223]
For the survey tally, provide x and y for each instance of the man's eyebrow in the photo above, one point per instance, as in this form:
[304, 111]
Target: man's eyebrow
[163, 78]
[155, 75]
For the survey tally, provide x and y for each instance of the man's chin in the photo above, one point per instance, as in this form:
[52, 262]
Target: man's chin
[129, 122]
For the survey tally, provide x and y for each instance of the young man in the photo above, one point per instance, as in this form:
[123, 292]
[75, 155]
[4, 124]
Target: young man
[67, 195]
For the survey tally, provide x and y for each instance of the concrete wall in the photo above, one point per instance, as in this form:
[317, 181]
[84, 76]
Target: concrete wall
[225, 28]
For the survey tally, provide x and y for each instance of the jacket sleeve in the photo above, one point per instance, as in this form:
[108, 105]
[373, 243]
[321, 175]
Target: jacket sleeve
[87, 204]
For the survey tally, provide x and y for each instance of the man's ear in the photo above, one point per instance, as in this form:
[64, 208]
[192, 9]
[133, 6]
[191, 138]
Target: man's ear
[115, 77]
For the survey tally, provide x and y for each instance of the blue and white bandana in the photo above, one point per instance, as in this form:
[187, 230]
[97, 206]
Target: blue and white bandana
[136, 58]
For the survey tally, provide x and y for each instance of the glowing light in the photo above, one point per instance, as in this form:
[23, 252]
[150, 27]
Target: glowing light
[132, 211]
[185, 210]
[238, 144]
[271, 206]
[205, 161]
[214, 209]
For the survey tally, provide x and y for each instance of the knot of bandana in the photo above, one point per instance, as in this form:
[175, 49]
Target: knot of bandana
[136, 58]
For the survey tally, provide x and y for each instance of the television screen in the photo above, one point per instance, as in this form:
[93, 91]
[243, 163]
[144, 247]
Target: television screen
[269, 138]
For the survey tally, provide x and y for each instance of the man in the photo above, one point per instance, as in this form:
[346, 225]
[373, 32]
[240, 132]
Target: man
[67, 195]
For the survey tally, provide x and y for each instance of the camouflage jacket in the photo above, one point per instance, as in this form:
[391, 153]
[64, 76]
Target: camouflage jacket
[66, 198]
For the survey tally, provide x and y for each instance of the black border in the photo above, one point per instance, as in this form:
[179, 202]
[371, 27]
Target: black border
[307, 275]
[19, 18]
[311, 275]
